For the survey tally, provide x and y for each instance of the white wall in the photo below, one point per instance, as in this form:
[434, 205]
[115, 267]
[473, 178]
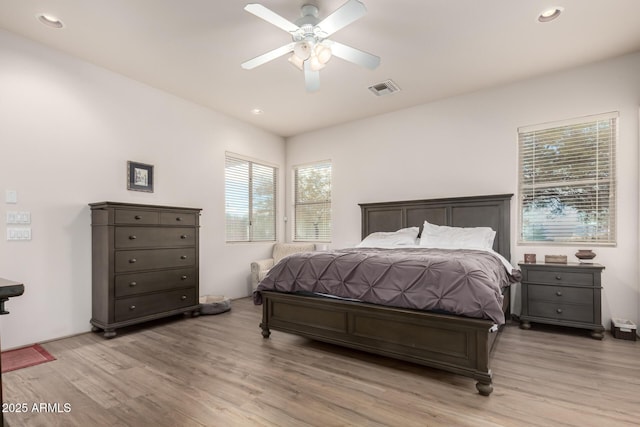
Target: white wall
[467, 145]
[67, 129]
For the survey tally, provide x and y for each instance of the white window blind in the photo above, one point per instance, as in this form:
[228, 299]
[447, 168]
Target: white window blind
[567, 181]
[250, 200]
[312, 210]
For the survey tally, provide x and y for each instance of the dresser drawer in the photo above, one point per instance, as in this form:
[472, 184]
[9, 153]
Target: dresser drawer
[177, 218]
[141, 237]
[560, 294]
[149, 259]
[130, 216]
[560, 277]
[569, 312]
[140, 283]
[144, 305]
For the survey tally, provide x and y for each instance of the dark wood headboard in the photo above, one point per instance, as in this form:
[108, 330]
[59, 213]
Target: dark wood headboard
[477, 211]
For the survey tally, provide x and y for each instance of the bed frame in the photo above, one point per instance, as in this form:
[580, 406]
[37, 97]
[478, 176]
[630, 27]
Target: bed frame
[452, 343]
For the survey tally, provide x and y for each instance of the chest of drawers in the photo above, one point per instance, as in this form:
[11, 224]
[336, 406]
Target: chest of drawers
[562, 294]
[144, 263]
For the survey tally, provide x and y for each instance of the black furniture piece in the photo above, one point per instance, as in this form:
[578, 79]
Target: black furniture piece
[145, 263]
[562, 294]
[457, 344]
[8, 289]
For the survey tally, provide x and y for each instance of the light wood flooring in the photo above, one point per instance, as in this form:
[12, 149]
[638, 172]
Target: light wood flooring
[219, 371]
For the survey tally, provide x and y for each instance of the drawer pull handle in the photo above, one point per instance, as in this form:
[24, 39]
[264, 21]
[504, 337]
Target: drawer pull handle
[183, 297]
[179, 218]
[559, 311]
[559, 293]
[183, 257]
[132, 237]
[184, 236]
[558, 277]
[132, 284]
[137, 217]
[132, 260]
[183, 278]
[133, 307]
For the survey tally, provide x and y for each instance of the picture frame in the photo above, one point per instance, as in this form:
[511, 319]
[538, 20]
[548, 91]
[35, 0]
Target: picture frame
[139, 177]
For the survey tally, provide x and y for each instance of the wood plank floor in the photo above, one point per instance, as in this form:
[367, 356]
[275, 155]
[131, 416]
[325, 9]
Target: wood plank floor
[219, 371]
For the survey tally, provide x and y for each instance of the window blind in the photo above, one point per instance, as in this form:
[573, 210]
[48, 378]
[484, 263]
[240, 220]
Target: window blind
[250, 200]
[567, 181]
[312, 205]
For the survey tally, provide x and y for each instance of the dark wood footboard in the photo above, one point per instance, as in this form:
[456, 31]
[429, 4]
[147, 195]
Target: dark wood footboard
[456, 344]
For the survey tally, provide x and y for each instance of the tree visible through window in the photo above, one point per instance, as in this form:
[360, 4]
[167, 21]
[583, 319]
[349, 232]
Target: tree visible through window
[312, 208]
[567, 181]
[250, 200]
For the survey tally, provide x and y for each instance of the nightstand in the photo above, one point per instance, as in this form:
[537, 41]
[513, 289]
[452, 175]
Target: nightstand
[562, 294]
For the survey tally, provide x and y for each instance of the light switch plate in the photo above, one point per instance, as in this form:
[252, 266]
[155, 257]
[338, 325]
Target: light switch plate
[11, 196]
[18, 233]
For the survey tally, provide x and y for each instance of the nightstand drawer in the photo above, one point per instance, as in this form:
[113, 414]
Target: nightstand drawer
[560, 277]
[560, 294]
[144, 237]
[549, 310]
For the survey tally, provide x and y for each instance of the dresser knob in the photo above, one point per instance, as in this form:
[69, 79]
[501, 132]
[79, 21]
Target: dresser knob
[558, 277]
[184, 236]
[132, 260]
[137, 217]
[183, 278]
[132, 284]
[559, 293]
[559, 311]
[132, 237]
[183, 297]
[179, 218]
[183, 257]
[133, 307]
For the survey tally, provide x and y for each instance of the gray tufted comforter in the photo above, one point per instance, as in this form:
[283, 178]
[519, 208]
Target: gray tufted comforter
[461, 281]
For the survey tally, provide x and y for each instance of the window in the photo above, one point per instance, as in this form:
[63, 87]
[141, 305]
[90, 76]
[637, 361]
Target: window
[567, 181]
[250, 200]
[312, 210]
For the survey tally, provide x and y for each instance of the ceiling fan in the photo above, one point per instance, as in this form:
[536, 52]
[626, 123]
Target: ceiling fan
[311, 48]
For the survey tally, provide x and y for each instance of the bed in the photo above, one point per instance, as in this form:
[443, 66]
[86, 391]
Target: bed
[454, 343]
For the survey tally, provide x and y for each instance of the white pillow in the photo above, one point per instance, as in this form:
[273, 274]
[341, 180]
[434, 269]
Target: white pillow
[385, 239]
[441, 236]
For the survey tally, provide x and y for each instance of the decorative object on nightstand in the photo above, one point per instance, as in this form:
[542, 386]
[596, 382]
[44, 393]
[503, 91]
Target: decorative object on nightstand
[585, 255]
[555, 259]
[145, 263]
[530, 258]
[562, 294]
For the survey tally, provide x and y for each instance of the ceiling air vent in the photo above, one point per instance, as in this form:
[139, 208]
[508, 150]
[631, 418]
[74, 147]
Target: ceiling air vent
[384, 88]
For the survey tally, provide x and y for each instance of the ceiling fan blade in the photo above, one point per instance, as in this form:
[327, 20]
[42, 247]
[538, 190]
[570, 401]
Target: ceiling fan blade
[311, 77]
[269, 56]
[354, 55]
[349, 12]
[271, 17]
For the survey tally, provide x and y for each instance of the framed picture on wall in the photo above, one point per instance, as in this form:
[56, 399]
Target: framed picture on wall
[139, 177]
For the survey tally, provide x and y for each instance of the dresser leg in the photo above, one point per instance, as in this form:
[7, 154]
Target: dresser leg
[109, 333]
[524, 324]
[484, 389]
[95, 329]
[597, 334]
[265, 330]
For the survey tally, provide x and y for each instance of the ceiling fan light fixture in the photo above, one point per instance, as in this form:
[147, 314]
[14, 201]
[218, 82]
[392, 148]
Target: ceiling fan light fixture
[302, 50]
[322, 52]
[296, 61]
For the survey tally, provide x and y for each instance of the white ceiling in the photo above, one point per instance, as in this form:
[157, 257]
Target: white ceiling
[431, 48]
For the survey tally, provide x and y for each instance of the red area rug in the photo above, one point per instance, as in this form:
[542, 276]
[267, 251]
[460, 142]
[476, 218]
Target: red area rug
[24, 357]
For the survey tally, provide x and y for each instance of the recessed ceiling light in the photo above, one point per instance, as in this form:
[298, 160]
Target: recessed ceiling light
[49, 20]
[257, 111]
[550, 14]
